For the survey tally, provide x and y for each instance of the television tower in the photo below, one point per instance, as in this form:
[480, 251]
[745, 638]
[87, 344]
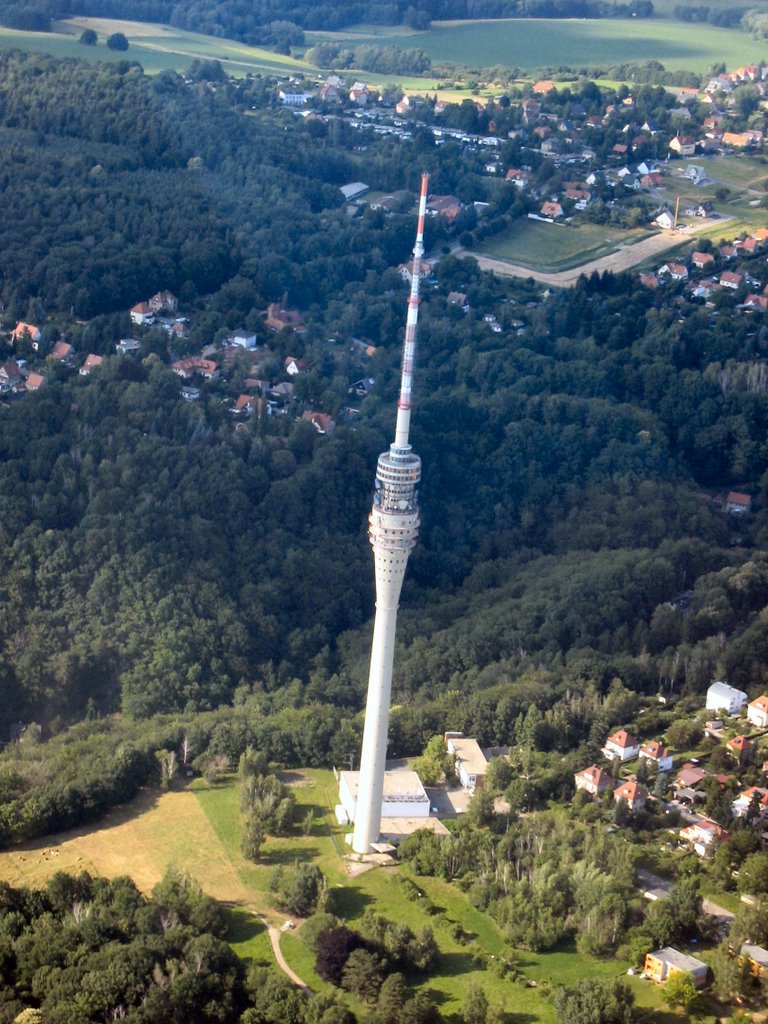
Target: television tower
[392, 530]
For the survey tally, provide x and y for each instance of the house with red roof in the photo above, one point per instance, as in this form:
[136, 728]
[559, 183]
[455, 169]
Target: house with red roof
[730, 279]
[188, 367]
[62, 351]
[551, 209]
[737, 503]
[753, 796]
[22, 328]
[35, 381]
[700, 260]
[593, 780]
[757, 712]
[91, 362]
[321, 421]
[278, 318]
[621, 745]
[656, 753]
[704, 836]
[633, 793]
[142, 314]
[740, 748]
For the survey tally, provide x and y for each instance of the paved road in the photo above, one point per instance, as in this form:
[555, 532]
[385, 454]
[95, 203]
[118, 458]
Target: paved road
[662, 886]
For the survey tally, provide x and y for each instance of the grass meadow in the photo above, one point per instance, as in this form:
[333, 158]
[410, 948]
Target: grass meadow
[553, 247]
[197, 829]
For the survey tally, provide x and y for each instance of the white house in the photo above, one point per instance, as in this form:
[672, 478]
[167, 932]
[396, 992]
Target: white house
[622, 745]
[704, 836]
[404, 796]
[470, 760]
[743, 802]
[757, 712]
[593, 780]
[657, 754]
[243, 339]
[722, 697]
[665, 220]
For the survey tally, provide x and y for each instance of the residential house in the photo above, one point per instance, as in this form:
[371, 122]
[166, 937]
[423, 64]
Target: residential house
[142, 314]
[23, 329]
[701, 260]
[757, 712]
[406, 271]
[739, 140]
[676, 271]
[91, 362]
[34, 381]
[721, 696]
[520, 177]
[689, 776]
[738, 504]
[359, 93]
[754, 796]
[444, 206]
[10, 375]
[62, 352]
[242, 339]
[293, 365]
[728, 252]
[128, 346]
[322, 423]
[730, 279]
[740, 749]
[279, 318]
[331, 91]
[551, 209]
[665, 220]
[163, 302]
[704, 836]
[294, 97]
[649, 280]
[188, 367]
[632, 793]
[471, 762]
[621, 745]
[543, 87]
[656, 753]
[245, 404]
[458, 299]
[663, 963]
[683, 145]
[593, 780]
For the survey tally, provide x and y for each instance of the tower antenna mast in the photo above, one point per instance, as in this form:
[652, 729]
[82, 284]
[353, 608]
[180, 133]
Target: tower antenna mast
[393, 527]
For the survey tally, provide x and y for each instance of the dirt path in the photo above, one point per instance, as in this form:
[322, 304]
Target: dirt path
[625, 257]
[282, 963]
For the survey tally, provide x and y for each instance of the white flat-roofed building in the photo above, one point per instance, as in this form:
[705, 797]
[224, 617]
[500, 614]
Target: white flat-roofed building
[404, 795]
[471, 762]
[722, 696]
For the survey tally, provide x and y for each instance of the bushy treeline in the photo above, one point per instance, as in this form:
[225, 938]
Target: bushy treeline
[90, 949]
[385, 60]
[723, 17]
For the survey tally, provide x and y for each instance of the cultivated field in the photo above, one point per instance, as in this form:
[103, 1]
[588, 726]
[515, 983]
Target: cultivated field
[534, 43]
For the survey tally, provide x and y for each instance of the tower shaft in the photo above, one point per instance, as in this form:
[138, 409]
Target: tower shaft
[393, 527]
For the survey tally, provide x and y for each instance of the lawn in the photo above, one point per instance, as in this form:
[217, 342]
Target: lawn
[552, 247]
[538, 43]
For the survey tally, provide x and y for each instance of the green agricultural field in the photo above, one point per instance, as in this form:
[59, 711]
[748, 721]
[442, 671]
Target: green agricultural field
[551, 247]
[156, 47]
[535, 43]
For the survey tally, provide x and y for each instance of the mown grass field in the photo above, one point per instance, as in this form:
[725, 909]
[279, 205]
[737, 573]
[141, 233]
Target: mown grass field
[552, 247]
[537, 43]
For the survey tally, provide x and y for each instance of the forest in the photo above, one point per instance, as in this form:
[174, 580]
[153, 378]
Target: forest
[192, 577]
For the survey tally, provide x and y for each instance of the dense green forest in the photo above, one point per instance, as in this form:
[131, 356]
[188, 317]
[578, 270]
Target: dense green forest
[160, 563]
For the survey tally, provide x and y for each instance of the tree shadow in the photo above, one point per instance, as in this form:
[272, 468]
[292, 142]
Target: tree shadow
[349, 902]
[456, 963]
[289, 855]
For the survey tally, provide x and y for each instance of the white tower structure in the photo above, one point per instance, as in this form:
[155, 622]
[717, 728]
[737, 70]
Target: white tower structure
[393, 529]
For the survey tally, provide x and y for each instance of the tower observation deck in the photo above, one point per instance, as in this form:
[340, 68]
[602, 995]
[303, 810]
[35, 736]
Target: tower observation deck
[393, 527]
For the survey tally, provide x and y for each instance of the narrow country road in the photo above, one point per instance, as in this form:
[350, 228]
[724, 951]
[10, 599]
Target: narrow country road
[274, 938]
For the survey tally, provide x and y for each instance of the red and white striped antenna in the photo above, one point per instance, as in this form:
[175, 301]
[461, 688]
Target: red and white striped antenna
[409, 347]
